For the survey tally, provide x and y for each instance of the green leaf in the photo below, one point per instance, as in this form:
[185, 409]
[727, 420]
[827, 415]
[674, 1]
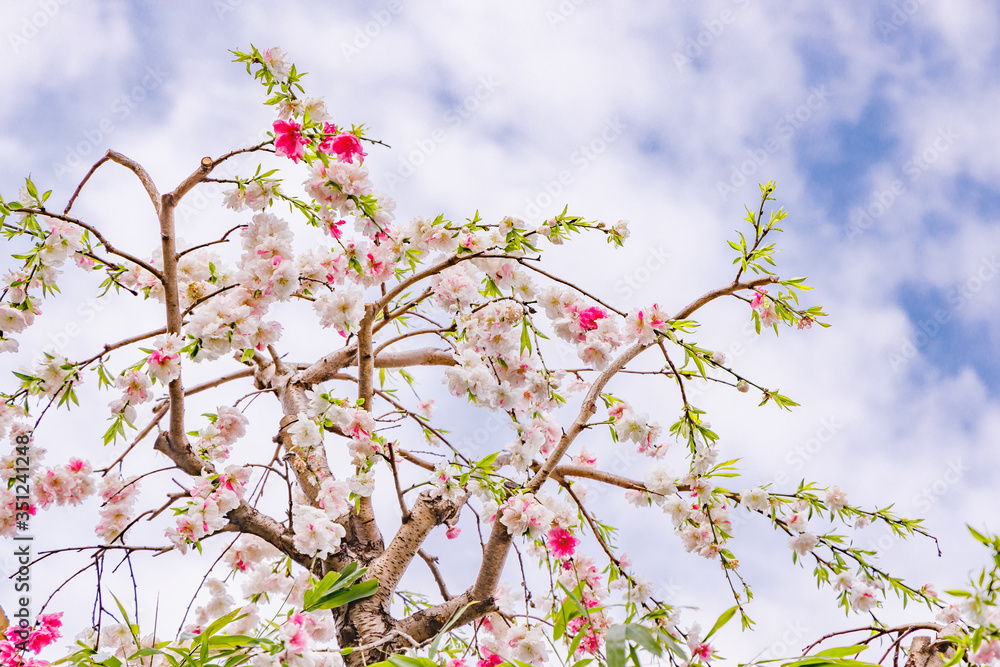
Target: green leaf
[525, 338]
[642, 636]
[432, 649]
[723, 619]
[360, 591]
[841, 651]
[615, 645]
[979, 536]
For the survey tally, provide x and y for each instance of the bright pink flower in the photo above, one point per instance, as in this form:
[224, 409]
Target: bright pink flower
[333, 228]
[288, 141]
[758, 298]
[703, 651]
[589, 317]
[453, 532]
[591, 641]
[345, 145]
[46, 632]
[561, 542]
[489, 659]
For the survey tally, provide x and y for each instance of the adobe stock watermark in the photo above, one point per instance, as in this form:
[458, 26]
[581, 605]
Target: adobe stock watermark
[34, 23]
[453, 119]
[223, 7]
[862, 218]
[795, 460]
[364, 35]
[643, 272]
[207, 195]
[120, 109]
[86, 312]
[712, 29]
[927, 497]
[580, 160]
[957, 297]
[784, 129]
[787, 644]
[901, 14]
[562, 12]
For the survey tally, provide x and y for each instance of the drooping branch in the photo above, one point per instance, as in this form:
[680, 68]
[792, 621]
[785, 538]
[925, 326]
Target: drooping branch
[100, 237]
[588, 408]
[141, 173]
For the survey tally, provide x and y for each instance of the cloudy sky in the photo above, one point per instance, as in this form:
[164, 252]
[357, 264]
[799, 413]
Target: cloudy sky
[876, 119]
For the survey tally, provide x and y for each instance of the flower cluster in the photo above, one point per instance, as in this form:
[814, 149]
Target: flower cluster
[594, 332]
[116, 513]
[636, 427]
[300, 637]
[211, 498]
[316, 532]
[62, 240]
[20, 640]
[68, 484]
[226, 427]
[164, 361]
[504, 642]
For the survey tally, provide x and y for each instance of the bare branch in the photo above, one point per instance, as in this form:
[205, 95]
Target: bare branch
[432, 564]
[689, 309]
[76, 193]
[140, 171]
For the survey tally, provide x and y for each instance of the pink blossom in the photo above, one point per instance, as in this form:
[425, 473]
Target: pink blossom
[703, 651]
[46, 632]
[989, 651]
[288, 140]
[453, 532]
[758, 298]
[294, 634]
[589, 317]
[345, 145]
[334, 228]
[591, 641]
[561, 542]
[489, 659]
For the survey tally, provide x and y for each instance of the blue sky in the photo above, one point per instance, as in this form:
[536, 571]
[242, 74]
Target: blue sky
[877, 120]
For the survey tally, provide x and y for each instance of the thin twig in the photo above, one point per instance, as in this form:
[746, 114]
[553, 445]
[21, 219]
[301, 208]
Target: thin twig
[432, 564]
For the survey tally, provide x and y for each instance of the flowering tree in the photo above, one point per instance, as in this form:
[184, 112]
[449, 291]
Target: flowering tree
[295, 524]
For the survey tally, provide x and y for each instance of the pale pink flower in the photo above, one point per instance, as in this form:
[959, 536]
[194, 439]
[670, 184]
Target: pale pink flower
[836, 498]
[277, 62]
[803, 543]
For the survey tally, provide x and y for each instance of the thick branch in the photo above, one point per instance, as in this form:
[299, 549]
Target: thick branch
[363, 521]
[427, 513]
[174, 321]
